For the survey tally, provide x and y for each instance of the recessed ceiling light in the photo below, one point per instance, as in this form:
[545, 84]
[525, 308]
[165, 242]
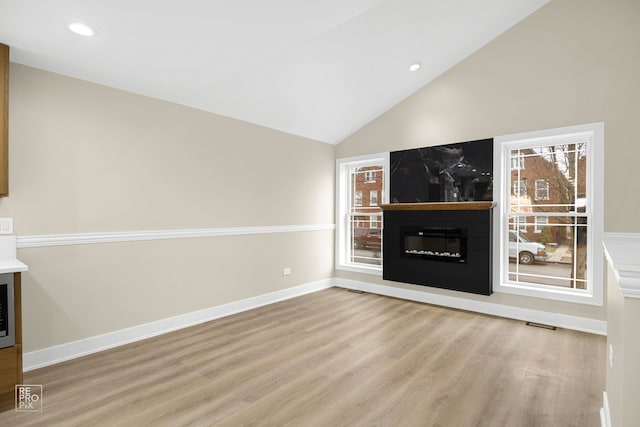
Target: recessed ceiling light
[414, 66]
[81, 29]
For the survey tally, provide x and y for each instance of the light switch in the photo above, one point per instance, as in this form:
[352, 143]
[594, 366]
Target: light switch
[6, 225]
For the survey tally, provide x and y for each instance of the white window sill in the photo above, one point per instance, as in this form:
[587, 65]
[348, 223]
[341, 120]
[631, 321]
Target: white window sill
[548, 292]
[373, 270]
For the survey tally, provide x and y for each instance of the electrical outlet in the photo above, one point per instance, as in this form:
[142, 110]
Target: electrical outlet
[286, 271]
[6, 225]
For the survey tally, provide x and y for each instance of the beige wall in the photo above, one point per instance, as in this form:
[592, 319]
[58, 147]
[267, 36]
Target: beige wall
[86, 158]
[571, 62]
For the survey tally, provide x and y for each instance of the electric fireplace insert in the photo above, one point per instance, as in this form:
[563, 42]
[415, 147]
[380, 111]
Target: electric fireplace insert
[446, 244]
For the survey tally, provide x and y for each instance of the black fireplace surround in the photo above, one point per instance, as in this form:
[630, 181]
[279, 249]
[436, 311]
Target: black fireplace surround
[443, 248]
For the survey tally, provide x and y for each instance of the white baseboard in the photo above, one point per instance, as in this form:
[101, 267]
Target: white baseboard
[605, 415]
[60, 353]
[555, 319]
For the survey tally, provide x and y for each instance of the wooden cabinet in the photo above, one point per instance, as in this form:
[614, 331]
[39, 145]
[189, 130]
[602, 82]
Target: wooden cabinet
[11, 357]
[10, 375]
[4, 120]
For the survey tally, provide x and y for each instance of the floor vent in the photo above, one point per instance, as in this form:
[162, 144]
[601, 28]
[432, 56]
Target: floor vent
[540, 325]
[356, 291]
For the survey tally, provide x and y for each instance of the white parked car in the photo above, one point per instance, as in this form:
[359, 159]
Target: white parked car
[525, 250]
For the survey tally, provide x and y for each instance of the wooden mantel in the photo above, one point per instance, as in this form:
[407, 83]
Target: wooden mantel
[439, 206]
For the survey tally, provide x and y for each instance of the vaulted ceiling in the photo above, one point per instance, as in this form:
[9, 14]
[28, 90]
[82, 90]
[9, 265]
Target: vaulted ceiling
[319, 69]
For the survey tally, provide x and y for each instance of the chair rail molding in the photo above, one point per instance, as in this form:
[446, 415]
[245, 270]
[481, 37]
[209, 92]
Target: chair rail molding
[37, 241]
[621, 251]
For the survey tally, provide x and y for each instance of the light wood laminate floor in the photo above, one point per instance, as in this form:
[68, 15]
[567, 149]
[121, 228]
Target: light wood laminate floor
[333, 358]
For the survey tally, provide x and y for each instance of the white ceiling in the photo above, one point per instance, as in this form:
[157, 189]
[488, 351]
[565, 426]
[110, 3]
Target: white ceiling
[319, 69]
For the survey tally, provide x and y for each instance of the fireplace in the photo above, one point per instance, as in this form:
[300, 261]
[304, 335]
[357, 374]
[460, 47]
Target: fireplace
[443, 245]
[447, 244]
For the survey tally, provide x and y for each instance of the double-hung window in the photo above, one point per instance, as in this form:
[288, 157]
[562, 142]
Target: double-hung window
[359, 222]
[549, 241]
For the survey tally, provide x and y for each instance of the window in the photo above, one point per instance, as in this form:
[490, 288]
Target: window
[542, 189]
[359, 225]
[560, 257]
[541, 222]
[370, 176]
[357, 201]
[517, 161]
[373, 198]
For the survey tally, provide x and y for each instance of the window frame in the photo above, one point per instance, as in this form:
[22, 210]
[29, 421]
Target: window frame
[343, 197]
[594, 210]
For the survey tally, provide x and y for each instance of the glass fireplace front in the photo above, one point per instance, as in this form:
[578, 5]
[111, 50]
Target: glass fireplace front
[446, 244]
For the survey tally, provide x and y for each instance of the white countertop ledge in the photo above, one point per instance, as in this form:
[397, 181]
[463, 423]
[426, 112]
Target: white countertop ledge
[12, 265]
[9, 263]
[622, 251]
